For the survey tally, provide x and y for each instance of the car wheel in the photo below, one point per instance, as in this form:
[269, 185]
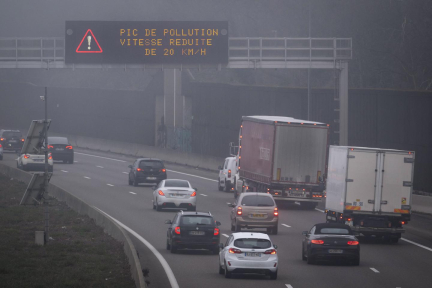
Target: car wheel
[219, 186]
[275, 230]
[273, 275]
[173, 249]
[135, 182]
[269, 230]
[215, 250]
[221, 270]
[237, 227]
[394, 240]
[303, 255]
[356, 262]
[154, 206]
[1, 157]
[232, 227]
[71, 161]
[65, 161]
[129, 181]
[158, 208]
[227, 187]
[192, 209]
[227, 273]
[168, 246]
[310, 260]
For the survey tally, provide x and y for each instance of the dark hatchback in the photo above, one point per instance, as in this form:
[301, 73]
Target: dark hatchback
[60, 149]
[193, 230]
[147, 170]
[330, 241]
[11, 140]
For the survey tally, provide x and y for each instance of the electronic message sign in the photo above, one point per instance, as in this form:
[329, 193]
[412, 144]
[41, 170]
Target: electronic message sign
[146, 42]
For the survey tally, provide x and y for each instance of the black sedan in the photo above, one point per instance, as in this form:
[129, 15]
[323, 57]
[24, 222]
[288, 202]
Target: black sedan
[60, 149]
[328, 241]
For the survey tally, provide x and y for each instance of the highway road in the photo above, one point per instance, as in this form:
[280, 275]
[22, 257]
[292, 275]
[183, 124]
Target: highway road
[100, 179]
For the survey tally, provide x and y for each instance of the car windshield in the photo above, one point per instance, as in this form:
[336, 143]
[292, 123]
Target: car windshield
[57, 140]
[176, 183]
[252, 243]
[9, 134]
[196, 220]
[151, 164]
[338, 231]
[255, 200]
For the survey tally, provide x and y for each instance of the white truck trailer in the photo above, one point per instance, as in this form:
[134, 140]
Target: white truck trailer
[370, 190]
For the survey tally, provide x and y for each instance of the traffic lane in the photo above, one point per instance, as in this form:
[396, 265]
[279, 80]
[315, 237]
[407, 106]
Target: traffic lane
[419, 229]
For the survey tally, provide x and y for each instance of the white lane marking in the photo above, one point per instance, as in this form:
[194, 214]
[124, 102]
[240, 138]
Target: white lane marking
[225, 235]
[133, 193]
[319, 210]
[288, 286]
[203, 195]
[87, 177]
[125, 172]
[110, 185]
[64, 171]
[374, 270]
[76, 161]
[414, 243]
[192, 175]
[101, 157]
[165, 265]
[99, 166]
[286, 225]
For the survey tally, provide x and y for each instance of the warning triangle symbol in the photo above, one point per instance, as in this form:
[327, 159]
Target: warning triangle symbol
[89, 44]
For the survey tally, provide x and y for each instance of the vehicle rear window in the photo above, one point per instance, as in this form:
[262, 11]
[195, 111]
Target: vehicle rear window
[176, 183]
[151, 164]
[196, 220]
[252, 243]
[255, 200]
[57, 140]
[9, 134]
[339, 231]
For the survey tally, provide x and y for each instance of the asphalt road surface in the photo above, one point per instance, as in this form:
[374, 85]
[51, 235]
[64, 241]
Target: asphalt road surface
[101, 180]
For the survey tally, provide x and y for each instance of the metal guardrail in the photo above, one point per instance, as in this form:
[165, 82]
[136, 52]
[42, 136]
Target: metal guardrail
[52, 50]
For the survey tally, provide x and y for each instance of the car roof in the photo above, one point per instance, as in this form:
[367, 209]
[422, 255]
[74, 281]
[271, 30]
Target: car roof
[240, 235]
[255, 194]
[153, 159]
[9, 130]
[52, 139]
[332, 225]
[195, 213]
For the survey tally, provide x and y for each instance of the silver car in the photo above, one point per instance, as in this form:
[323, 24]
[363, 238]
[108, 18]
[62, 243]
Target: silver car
[254, 210]
[174, 193]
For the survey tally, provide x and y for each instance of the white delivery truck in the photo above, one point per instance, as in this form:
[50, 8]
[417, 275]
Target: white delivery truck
[370, 190]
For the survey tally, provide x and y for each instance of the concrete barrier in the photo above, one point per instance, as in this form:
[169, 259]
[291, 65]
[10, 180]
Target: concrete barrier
[110, 227]
[422, 204]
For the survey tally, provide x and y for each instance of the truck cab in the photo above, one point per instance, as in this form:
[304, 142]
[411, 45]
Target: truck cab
[227, 173]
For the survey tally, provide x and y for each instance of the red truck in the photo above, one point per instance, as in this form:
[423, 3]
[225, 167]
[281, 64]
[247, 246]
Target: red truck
[283, 156]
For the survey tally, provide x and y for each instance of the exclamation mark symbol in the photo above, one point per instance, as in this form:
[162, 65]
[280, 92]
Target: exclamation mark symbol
[89, 42]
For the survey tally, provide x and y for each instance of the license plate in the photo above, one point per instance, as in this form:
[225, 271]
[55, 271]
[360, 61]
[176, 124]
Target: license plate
[257, 215]
[59, 149]
[12, 141]
[336, 251]
[38, 160]
[196, 232]
[252, 254]
[151, 178]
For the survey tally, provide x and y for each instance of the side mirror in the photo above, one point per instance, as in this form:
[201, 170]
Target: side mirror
[168, 222]
[218, 223]
[231, 205]
[275, 246]
[154, 187]
[130, 166]
[305, 233]
[221, 245]
[220, 167]
[196, 190]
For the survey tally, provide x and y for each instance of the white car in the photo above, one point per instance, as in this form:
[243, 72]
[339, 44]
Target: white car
[246, 252]
[174, 193]
[34, 162]
[1, 152]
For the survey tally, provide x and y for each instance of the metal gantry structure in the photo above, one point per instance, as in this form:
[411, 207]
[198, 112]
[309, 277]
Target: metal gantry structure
[243, 53]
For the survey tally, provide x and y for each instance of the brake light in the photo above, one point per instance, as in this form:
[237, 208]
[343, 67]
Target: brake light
[0, 146]
[161, 193]
[69, 147]
[352, 243]
[50, 146]
[163, 170]
[26, 156]
[235, 251]
[22, 140]
[177, 230]
[239, 211]
[193, 194]
[139, 169]
[317, 242]
[229, 173]
[401, 222]
[276, 212]
[2, 139]
[50, 156]
[270, 251]
[216, 231]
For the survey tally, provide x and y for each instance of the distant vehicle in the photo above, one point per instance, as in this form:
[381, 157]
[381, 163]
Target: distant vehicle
[174, 193]
[146, 170]
[1, 152]
[248, 253]
[329, 241]
[254, 210]
[227, 173]
[34, 162]
[193, 230]
[283, 156]
[11, 140]
[61, 149]
[370, 190]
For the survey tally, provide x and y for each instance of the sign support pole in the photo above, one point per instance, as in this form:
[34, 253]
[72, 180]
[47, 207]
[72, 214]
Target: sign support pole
[46, 164]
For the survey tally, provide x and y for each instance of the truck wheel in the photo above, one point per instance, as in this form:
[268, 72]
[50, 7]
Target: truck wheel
[394, 240]
[308, 205]
[275, 230]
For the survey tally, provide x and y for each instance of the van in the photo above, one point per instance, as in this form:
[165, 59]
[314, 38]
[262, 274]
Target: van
[227, 174]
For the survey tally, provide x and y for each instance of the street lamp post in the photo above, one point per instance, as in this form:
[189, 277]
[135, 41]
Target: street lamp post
[45, 98]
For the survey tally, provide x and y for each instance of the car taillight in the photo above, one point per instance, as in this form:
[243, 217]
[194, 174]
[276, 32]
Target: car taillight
[235, 251]
[177, 230]
[163, 170]
[193, 194]
[26, 156]
[229, 173]
[50, 156]
[2, 139]
[139, 169]
[239, 211]
[401, 222]
[69, 147]
[22, 140]
[216, 231]
[161, 193]
[50, 146]
[0, 146]
[353, 243]
[276, 212]
[317, 242]
[270, 251]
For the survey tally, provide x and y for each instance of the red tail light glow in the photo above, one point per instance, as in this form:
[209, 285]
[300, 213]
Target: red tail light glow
[177, 230]
[0, 146]
[49, 156]
[317, 242]
[162, 194]
[229, 173]
[139, 169]
[239, 211]
[50, 146]
[2, 139]
[352, 243]
[216, 231]
[26, 156]
[235, 251]
[270, 251]
[163, 170]
[401, 222]
[69, 147]
[193, 194]
[276, 212]
[22, 140]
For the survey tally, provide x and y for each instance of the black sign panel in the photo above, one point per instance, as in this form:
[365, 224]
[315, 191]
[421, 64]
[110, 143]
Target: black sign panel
[146, 42]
